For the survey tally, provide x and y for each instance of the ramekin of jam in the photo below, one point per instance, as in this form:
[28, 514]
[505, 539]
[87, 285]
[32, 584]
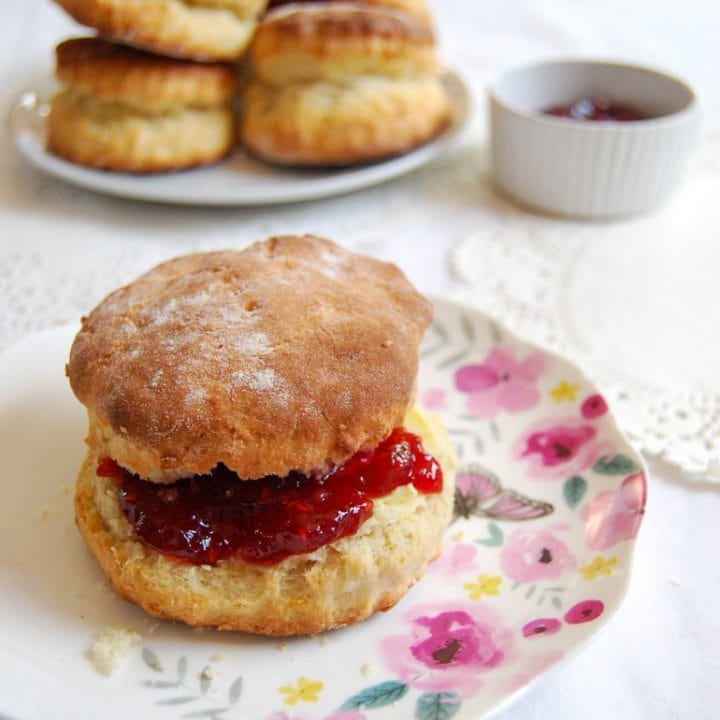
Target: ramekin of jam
[590, 139]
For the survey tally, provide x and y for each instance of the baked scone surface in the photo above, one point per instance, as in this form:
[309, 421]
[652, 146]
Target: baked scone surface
[341, 84]
[416, 8]
[193, 29]
[127, 110]
[149, 83]
[338, 584]
[289, 355]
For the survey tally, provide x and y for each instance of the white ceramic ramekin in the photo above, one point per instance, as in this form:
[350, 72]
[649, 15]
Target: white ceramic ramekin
[583, 168]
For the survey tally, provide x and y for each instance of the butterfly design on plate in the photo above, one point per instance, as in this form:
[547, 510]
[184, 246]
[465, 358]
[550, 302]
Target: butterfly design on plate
[479, 492]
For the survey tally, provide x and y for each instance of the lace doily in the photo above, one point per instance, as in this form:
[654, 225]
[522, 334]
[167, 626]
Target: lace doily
[635, 303]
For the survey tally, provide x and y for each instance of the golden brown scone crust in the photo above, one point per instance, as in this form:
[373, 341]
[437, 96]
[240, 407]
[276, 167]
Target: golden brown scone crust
[340, 584]
[417, 8]
[339, 41]
[113, 137]
[127, 110]
[341, 84]
[114, 73]
[325, 124]
[193, 29]
[289, 355]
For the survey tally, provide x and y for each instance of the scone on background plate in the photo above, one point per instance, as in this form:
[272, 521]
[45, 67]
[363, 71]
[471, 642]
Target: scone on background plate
[340, 84]
[417, 8]
[255, 458]
[128, 110]
[206, 30]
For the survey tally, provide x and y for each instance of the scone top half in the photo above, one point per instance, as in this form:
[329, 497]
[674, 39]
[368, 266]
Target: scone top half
[302, 42]
[290, 355]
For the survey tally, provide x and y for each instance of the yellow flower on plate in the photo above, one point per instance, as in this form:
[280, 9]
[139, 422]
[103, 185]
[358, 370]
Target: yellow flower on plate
[303, 689]
[483, 585]
[598, 566]
[565, 391]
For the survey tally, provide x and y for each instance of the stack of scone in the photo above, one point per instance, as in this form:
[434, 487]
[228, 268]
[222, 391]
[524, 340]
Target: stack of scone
[255, 459]
[152, 95]
[326, 83]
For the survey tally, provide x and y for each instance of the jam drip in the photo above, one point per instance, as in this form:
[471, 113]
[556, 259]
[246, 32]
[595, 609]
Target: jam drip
[207, 518]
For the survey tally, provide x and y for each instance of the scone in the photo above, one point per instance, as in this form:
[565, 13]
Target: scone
[417, 8]
[340, 84]
[206, 30]
[128, 110]
[255, 459]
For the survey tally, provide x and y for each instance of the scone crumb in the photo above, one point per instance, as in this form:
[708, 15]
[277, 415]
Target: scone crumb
[459, 536]
[281, 646]
[45, 511]
[368, 670]
[217, 657]
[65, 487]
[111, 648]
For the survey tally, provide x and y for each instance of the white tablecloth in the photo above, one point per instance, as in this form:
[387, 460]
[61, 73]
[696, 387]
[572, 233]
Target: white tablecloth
[62, 248]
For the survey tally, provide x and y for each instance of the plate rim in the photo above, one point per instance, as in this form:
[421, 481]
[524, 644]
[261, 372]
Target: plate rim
[310, 184]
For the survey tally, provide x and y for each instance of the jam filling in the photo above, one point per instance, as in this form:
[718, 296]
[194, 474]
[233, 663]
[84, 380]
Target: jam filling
[594, 109]
[207, 518]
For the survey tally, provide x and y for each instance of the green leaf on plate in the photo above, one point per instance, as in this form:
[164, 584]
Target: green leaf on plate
[616, 465]
[437, 706]
[574, 490]
[151, 659]
[440, 330]
[467, 327]
[205, 680]
[159, 684]
[453, 360]
[235, 691]
[376, 696]
[496, 536]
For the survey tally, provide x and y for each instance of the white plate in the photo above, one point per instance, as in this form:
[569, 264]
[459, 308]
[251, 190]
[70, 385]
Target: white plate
[535, 442]
[239, 180]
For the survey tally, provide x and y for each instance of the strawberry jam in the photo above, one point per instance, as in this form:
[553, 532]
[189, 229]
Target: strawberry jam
[207, 518]
[598, 110]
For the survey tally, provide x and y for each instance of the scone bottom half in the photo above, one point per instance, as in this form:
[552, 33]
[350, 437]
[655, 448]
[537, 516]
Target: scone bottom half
[241, 537]
[346, 577]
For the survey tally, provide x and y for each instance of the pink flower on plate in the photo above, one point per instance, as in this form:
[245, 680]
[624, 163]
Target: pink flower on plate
[434, 399]
[615, 516]
[556, 449]
[531, 555]
[502, 382]
[593, 407]
[455, 559]
[584, 611]
[541, 626]
[449, 647]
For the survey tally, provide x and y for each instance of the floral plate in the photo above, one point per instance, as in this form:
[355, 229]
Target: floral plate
[549, 500]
